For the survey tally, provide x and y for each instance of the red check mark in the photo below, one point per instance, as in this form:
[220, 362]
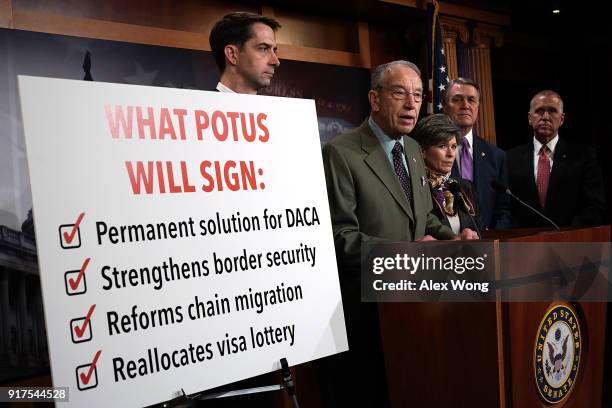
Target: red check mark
[80, 330]
[86, 377]
[75, 283]
[68, 237]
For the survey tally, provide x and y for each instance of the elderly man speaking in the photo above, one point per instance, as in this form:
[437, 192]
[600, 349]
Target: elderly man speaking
[377, 190]
[376, 179]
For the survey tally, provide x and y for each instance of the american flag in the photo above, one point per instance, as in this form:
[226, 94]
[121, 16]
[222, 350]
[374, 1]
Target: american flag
[437, 68]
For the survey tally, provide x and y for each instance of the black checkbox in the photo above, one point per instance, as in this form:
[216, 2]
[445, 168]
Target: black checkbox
[93, 378]
[81, 287]
[78, 322]
[76, 237]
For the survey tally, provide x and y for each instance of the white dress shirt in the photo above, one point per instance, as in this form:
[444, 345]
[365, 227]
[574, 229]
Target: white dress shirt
[552, 144]
[223, 88]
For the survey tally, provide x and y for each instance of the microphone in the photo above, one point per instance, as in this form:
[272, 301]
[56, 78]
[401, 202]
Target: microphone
[502, 189]
[454, 188]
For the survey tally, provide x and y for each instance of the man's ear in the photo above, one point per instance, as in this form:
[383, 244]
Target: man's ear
[562, 119]
[373, 98]
[231, 54]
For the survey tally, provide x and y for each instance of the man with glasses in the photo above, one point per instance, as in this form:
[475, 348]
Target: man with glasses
[477, 160]
[376, 182]
[561, 180]
[377, 190]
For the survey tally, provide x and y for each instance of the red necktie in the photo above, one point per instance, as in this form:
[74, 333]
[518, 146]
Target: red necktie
[543, 174]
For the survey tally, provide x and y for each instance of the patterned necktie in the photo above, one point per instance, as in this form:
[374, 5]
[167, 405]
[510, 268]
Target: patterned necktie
[543, 174]
[439, 196]
[467, 166]
[400, 170]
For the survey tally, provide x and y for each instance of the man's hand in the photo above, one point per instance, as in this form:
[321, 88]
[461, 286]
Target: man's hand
[466, 234]
[426, 238]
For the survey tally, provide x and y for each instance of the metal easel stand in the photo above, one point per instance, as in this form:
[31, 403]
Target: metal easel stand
[287, 384]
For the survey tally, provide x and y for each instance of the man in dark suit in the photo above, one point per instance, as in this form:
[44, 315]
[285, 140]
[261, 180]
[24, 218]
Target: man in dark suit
[377, 190]
[244, 47]
[477, 160]
[561, 180]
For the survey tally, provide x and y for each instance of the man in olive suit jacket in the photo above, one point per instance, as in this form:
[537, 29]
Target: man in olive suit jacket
[367, 199]
[377, 190]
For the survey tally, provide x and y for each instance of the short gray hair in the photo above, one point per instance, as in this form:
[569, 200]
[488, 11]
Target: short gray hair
[380, 71]
[459, 81]
[547, 92]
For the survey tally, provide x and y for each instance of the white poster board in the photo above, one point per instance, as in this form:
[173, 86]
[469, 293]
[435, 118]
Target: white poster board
[184, 237]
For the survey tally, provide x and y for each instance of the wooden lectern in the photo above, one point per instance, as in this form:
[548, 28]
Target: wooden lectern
[481, 354]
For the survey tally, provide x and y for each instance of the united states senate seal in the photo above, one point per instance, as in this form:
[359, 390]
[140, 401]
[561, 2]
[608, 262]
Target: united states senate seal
[557, 353]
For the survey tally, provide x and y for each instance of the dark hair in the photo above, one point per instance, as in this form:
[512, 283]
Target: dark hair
[434, 129]
[459, 81]
[235, 28]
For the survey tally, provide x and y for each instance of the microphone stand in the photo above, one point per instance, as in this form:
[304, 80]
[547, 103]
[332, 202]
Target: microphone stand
[503, 189]
[534, 210]
[456, 190]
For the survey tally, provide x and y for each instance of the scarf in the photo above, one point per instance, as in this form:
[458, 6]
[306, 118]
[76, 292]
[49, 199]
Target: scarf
[439, 187]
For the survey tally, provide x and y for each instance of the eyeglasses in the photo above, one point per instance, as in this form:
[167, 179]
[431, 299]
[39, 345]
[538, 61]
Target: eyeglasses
[401, 94]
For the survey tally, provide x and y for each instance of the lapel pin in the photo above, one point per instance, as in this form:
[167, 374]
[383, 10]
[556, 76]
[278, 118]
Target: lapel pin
[423, 181]
[482, 154]
[414, 160]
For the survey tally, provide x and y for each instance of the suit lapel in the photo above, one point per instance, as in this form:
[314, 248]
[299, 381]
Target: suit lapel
[413, 155]
[379, 164]
[528, 169]
[440, 212]
[557, 173]
[464, 220]
[478, 157]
